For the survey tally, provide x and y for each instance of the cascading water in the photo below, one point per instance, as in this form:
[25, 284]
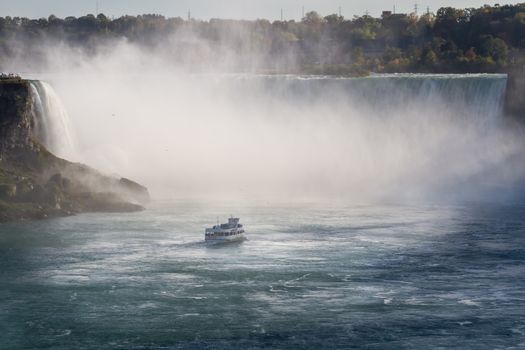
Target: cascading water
[393, 136]
[51, 121]
[385, 135]
[477, 95]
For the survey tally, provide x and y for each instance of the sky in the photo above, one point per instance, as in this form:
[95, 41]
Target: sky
[231, 9]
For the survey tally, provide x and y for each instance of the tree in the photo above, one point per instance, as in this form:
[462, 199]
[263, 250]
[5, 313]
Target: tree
[494, 48]
[334, 19]
[313, 18]
[471, 55]
[429, 57]
[392, 53]
[357, 56]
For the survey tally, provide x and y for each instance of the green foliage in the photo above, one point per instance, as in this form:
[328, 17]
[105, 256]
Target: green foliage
[392, 53]
[488, 38]
[494, 49]
[429, 57]
[313, 18]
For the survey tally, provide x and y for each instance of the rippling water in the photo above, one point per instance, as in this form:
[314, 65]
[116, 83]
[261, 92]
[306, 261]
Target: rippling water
[311, 276]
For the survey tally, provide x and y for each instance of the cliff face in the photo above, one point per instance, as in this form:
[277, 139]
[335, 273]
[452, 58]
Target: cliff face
[36, 184]
[15, 116]
[514, 101]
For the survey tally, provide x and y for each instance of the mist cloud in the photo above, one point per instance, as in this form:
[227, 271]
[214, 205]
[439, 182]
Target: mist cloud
[187, 126]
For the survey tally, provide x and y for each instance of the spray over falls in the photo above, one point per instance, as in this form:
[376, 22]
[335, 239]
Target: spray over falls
[391, 136]
[478, 97]
[394, 136]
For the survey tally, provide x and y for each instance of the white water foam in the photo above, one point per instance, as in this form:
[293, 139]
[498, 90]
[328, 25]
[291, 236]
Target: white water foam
[52, 125]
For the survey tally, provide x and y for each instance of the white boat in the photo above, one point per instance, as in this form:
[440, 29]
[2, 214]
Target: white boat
[223, 233]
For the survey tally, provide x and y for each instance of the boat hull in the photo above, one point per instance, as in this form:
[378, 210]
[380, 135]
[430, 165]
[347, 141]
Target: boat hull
[225, 239]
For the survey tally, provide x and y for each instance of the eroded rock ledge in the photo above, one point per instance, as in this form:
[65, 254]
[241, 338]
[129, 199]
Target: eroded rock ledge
[35, 184]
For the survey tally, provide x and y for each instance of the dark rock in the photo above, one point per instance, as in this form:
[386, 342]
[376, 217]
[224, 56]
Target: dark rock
[134, 191]
[35, 184]
[7, 191]
[63, 183]
[514, 101]
[104, 202]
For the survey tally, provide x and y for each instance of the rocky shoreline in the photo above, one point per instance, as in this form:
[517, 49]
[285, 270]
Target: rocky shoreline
[35, 184]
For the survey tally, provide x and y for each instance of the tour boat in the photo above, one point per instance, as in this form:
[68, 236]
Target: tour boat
[229, 232]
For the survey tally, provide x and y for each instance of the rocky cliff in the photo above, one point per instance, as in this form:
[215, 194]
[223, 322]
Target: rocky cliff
[514, 101]
[36, 184]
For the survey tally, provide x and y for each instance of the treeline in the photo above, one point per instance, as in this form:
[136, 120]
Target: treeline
[485, 39]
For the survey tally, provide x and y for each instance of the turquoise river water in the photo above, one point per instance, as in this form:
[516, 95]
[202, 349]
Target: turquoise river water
[310, 276]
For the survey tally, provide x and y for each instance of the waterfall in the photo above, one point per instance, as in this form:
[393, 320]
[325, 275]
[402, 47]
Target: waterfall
[387, 136]
[51, 121]
[478, 96]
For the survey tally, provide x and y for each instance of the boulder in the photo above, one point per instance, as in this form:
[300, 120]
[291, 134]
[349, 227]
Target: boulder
[7, 191]
[133, 191]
